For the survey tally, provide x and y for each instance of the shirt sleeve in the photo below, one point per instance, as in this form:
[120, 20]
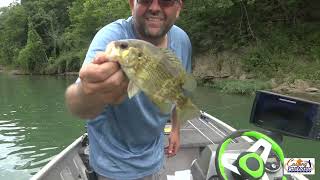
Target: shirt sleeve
[104, 36]
[189, 56]
[186, 51]
[110, 32]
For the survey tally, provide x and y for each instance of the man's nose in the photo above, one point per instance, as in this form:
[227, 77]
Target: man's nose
[154, 6]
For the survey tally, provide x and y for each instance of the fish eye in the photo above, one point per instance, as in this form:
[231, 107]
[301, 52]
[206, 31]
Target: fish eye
[124, 45]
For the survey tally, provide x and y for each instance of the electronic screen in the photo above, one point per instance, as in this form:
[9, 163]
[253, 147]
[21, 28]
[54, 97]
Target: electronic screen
[286, 115]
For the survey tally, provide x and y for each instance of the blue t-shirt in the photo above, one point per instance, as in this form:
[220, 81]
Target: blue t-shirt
[126, 140]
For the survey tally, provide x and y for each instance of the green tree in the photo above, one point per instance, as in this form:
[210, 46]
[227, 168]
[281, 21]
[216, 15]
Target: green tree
[32, 57]
[50, 18]
[13, 34]
[267, 29]
[87, 17]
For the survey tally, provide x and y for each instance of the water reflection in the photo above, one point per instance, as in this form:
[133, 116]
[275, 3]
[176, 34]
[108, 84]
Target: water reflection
[34, 125]
[232, 109]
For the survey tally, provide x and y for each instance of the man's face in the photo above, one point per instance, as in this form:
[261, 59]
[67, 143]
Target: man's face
[153, 19]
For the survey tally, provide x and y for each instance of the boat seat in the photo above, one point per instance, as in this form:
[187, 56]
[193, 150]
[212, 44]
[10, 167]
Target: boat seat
[203, 168]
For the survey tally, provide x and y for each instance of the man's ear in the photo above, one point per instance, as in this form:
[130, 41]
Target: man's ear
[131, 3]
[181, 3]
[180, 8]
[178, 11]
[177, 14]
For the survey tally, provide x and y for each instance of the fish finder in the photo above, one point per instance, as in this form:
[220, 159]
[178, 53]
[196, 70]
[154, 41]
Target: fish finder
[286, 115]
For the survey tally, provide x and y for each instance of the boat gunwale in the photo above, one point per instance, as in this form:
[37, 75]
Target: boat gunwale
[57, 158]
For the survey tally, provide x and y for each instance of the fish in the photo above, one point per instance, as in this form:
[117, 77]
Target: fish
[158, 73]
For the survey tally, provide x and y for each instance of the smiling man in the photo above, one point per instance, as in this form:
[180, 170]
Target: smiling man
[126, 135]
[152, 20]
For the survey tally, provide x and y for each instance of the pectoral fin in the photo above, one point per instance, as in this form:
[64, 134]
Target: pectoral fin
[132, 89]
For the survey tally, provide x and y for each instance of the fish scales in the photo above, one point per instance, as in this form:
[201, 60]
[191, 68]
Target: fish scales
[158, 76]
[149, 72]
[165, 87]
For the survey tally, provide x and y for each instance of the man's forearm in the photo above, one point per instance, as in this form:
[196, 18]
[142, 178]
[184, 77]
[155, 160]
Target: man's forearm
[175, 124]
[82, 105]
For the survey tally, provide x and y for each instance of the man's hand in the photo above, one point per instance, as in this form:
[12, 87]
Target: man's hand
[104, 79]
[174, 143]
[102, 83]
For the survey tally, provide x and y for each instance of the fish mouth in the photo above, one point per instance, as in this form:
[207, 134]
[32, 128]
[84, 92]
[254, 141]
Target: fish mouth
[112, 51]
[109, 48]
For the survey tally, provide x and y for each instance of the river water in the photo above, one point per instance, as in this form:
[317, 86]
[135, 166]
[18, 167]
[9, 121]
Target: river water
[35, 125]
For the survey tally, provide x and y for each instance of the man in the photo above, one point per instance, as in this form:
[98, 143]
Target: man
[126, 135]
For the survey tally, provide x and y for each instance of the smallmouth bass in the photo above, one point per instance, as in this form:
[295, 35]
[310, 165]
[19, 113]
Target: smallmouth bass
[158, 73]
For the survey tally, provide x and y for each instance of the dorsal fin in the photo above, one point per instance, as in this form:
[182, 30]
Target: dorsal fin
[170, 56]
[171, 62]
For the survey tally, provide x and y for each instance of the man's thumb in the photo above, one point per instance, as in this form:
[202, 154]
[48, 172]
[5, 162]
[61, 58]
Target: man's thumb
[170, 148]
[100, 58]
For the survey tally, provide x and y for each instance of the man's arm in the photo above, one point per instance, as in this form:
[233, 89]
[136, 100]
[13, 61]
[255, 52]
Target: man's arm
[174, 137]
[102, 83]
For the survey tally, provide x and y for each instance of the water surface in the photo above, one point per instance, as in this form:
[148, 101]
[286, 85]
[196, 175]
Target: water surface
[35, 125]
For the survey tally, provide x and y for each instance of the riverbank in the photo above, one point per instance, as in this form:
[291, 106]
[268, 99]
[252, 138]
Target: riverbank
[225, 71]
[12, 71]
[226, 75]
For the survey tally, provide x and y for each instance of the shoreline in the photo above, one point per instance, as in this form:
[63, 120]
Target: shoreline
[300, 88]
[17, 72]
[297, 87]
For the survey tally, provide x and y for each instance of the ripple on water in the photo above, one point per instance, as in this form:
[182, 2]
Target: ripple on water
[13, 156]
[33, 126]
[21, 159]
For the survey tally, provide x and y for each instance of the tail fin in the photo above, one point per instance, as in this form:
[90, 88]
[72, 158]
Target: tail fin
[187, 112]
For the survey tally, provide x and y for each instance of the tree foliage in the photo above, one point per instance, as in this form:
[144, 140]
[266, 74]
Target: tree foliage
[226, 24]
[13, 30]
[63, 30]
[33, 57]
